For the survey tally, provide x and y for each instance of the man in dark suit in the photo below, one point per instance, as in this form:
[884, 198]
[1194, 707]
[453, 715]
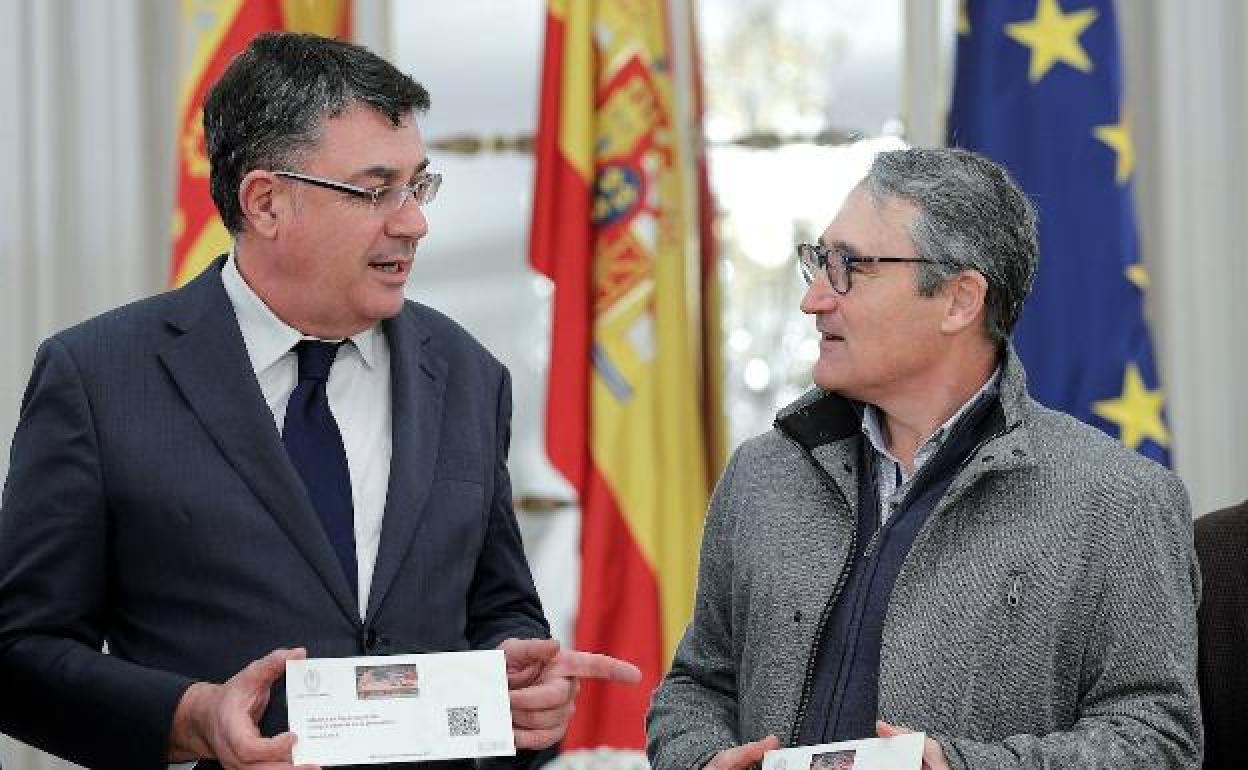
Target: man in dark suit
[1222, 546]
[283, 458]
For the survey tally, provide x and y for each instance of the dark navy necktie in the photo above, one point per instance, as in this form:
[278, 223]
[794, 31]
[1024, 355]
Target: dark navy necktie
[315, 447]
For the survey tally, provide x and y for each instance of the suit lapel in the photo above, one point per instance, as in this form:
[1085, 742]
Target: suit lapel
[418, 382]
[209, 363]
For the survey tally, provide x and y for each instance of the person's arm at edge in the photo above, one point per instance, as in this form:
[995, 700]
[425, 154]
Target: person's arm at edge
[693, 714]
[219, 721]
[503, 601]
[62, 693]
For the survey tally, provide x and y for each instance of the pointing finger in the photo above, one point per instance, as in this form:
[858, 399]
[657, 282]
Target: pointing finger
[591, 665]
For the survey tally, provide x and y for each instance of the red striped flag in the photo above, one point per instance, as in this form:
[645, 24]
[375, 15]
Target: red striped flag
[615, 227]
[213, 32]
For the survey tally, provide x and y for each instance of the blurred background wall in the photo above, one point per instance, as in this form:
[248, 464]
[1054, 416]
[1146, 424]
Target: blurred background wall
[87, 147]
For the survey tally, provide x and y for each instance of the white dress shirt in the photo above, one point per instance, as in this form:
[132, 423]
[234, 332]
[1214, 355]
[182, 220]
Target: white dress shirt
[359, 397]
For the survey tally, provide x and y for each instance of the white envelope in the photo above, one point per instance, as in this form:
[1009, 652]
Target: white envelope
[399, 708]
[901, 752]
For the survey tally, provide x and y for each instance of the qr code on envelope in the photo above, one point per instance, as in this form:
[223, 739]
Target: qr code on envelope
[462, 721]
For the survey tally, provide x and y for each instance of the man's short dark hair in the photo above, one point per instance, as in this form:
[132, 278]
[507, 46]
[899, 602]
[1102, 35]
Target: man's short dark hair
[971, 215]
[271, 102]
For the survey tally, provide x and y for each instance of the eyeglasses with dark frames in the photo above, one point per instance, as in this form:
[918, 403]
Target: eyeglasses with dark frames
[386, 199]
[838, 264]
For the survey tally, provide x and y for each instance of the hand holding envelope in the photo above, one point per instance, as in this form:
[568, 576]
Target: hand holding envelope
[542, 680]
[897, 748]
[744, 756]
[219, 720]
[933, 754]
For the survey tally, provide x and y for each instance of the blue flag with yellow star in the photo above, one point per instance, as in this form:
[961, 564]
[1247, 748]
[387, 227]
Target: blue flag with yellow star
[1039, 90]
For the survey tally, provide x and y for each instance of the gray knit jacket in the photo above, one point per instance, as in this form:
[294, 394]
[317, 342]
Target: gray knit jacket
[1044, 618]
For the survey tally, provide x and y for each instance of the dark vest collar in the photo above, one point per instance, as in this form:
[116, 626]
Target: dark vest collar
[822, 417]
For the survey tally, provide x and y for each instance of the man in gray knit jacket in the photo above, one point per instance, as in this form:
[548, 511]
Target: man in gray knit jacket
[917, 544]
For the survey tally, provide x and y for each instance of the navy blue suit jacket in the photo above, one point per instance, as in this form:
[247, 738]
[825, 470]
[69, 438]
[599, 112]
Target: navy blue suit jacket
[150, 505]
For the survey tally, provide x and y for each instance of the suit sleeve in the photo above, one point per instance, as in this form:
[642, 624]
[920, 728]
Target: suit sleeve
[1139, 705]
[503, 601]
[60, 692]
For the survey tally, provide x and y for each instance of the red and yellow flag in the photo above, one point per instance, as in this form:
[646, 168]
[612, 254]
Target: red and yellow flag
[212, 33]
[616, 228]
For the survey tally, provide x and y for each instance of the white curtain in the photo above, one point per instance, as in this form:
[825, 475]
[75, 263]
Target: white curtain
[86, 147]
[1187, 70]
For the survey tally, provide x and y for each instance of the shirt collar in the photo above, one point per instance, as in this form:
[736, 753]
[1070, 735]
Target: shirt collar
[873, 423]
[268, 337]
[366, 344]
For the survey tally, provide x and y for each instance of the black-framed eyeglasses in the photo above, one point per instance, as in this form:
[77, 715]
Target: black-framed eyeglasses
[386, 199]
[838, 264]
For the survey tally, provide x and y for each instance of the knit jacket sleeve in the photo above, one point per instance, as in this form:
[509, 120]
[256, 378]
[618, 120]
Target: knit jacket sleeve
[1139, 706]
[694, 712]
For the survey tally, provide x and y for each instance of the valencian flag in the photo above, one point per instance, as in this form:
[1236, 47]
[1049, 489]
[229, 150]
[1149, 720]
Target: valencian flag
[212, 33]
[1039, 89]
[616, 228]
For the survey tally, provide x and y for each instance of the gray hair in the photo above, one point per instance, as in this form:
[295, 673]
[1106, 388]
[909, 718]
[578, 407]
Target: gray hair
[971, 215]
[271, 102]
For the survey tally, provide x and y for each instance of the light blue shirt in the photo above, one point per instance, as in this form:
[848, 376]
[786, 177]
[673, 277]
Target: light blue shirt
[892, 481]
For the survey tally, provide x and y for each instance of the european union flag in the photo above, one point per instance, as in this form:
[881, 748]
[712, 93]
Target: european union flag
[1039, 90]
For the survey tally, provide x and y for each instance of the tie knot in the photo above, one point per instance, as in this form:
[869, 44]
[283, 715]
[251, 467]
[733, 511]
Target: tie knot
[315, 358]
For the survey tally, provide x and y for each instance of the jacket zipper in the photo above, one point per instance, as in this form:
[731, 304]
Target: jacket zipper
[1016, 589]
[869, 551]
[808, 679]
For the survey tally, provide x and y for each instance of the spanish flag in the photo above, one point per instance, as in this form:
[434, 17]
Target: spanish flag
[616, 227]
[212, 33]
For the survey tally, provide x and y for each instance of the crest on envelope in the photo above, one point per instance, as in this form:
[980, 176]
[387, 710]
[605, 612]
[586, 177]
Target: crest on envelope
[312, 680]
